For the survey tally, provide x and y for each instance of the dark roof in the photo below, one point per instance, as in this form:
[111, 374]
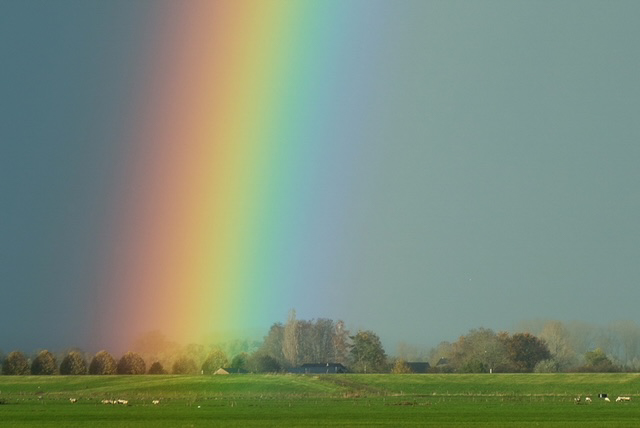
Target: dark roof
[323, 365]
[442, 361]
[319, 368]
[419, 367]
[234, 370]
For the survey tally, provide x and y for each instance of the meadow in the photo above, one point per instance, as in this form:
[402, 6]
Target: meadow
[447, 400]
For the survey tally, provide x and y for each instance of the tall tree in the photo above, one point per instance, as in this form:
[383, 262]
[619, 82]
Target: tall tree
[15, 364]
[184, 365]
[131, 363]
[367, 353]
[197, 352]
[273, 343]
[102, 364]
[263, 363]
[556, 336]
[581, 336]
[323, 350]
[479, 351]
[44, 364]
[627, 334]
[215, 360]
[290, 344]
[73, 364]
[240, 361]
[525, 351]
[341, 343]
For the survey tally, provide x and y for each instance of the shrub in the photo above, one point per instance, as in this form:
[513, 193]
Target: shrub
[547, 366]
[44, 364]
[156, 368]
[474, 366]
[598, 362]
[131, 363]
[102, 364]
[264, 364]
[73, 364]
[185, 365]
[401, 367]
[15, 364]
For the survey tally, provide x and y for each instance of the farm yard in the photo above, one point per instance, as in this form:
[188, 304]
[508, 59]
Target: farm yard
[454, 400]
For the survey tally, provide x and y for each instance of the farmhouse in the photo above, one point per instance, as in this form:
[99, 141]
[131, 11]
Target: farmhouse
[229, 370]
[419, 367]
[442, 362]
[319, 368]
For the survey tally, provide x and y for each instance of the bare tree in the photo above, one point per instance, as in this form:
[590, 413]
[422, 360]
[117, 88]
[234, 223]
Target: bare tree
[556, 335]
[291, 339]
[273, 344]
[627, 339]
[341, 343]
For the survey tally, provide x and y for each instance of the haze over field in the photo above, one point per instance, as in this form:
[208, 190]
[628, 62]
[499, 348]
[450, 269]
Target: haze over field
[430, 167]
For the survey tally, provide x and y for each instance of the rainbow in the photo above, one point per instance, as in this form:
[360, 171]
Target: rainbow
[217, 169]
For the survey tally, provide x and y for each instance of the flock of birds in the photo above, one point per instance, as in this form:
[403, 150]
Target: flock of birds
[577, 400]
[587, 400]
[118, 401]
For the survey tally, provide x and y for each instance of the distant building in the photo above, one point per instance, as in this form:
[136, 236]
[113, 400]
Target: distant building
[230, 370]
[319, 368]
[442, 362]
[419, 367]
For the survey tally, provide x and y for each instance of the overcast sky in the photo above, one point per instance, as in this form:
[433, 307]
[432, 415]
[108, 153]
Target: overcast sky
[499, 182]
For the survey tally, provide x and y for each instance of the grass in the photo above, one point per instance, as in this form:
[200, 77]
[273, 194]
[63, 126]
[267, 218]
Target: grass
[496, 400]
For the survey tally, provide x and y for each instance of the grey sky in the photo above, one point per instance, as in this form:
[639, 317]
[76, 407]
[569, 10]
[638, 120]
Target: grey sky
[493, 179]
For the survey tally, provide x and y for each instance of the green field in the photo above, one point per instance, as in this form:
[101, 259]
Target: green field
[451, 400]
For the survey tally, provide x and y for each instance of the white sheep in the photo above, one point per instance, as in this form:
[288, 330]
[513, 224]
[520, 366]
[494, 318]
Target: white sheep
[623, 399]
[587, 399]
[73, 400]
[607, 399]
[155, 402]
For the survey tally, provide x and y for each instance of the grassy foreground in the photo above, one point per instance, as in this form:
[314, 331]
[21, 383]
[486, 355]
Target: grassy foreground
[452, 400]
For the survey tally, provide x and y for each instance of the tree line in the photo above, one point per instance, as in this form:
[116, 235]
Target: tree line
[555, 347]
[322, 340]
[284, 347]
[551, 346]
[103, 363]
